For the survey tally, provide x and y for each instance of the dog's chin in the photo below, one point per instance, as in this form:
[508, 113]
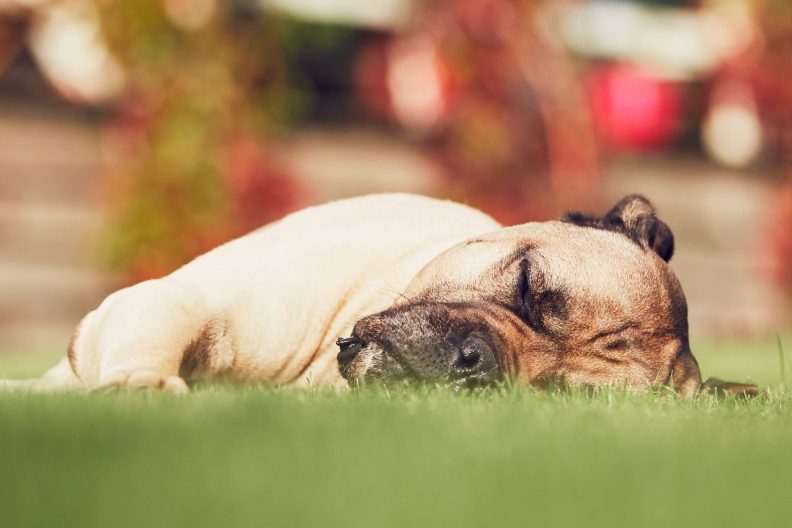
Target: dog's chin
[374, 366]
[365, 368]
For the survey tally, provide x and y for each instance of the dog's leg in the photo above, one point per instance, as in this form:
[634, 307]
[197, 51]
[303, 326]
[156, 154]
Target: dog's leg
[59, 378]
[138, 337]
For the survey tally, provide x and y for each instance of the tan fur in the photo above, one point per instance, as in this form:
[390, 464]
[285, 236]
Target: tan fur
[270, 305]
[626, 320]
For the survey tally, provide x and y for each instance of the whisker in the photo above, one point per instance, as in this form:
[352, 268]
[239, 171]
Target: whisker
[390, 289]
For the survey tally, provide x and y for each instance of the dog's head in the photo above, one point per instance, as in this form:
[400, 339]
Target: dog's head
[585, 301]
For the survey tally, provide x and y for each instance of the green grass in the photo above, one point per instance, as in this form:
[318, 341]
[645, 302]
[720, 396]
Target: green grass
[267, 457]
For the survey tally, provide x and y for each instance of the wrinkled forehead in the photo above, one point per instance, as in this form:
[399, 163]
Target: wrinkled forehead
[581, 259]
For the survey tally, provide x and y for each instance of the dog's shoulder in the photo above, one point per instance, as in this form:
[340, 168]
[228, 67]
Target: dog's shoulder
[403, 208]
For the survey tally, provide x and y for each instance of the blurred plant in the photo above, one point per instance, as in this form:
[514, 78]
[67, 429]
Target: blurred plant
[780, 236]
[758, 77]
[774, 77]
[495, 101]
[207, 85]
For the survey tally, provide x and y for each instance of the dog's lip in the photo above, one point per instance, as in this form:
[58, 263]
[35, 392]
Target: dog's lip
[349, 348]
[392, 352]
[387, 349]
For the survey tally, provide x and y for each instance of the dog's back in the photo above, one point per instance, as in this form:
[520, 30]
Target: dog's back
[270, 304]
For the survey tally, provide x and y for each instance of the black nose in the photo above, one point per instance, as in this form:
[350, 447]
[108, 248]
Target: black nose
[349, 348]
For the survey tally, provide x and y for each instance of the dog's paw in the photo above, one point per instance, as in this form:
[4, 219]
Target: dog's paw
[144, 379]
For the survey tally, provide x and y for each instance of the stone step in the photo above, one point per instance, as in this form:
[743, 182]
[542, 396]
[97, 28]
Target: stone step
[55, 235]
[728, 296]
[30, 137]
[51, 337]
[46, 293]
[50, 170]
[56, 185]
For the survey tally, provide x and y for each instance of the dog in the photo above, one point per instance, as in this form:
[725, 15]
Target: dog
[411, 289]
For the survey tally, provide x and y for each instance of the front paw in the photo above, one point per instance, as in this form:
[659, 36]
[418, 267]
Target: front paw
[144, 379]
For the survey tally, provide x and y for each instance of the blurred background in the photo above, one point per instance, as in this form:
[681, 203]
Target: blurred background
[135, 135]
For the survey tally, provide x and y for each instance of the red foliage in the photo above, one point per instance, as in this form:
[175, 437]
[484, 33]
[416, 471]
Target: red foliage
[779, 237]
[261, 189]
[633, 111]
[506, 119]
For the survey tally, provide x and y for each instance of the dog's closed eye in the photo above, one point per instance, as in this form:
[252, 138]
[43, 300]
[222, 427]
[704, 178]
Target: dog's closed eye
[619, 344]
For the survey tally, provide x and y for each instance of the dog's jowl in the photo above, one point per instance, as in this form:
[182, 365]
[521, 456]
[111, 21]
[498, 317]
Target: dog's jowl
[398, 288]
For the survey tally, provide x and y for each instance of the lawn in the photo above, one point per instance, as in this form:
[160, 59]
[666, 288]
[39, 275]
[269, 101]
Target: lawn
[267, 457]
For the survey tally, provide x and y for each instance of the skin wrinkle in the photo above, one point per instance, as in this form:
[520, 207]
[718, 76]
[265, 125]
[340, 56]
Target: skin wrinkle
[244, 301]
[505, 355]
[468, 321]
[339, 306]
[523, 251]
[608, 359]
[70, 351]
[596, 289]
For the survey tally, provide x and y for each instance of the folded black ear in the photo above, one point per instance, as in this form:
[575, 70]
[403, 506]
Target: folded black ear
[722, 388]
[635, 217]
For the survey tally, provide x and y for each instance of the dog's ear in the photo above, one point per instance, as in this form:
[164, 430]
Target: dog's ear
[635, 216]
[721, 388]
[685, 375]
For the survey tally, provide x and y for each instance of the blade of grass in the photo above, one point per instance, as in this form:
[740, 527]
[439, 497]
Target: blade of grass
[781, 359]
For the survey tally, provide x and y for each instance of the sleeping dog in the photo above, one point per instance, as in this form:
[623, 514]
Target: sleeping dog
[396, 288]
